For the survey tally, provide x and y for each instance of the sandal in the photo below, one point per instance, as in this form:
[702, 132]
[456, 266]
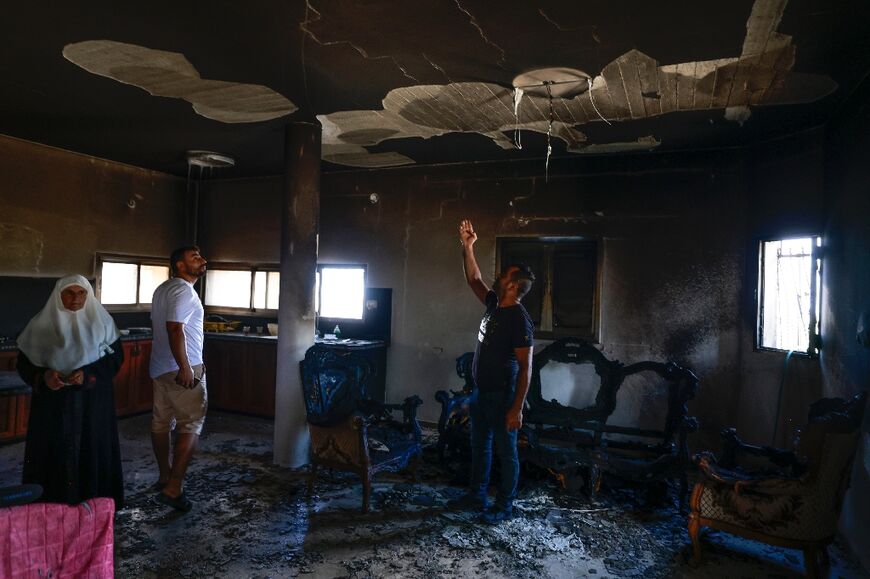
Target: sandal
[179, 503]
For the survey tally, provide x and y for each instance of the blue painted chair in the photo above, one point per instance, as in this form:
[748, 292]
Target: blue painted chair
[349, 431]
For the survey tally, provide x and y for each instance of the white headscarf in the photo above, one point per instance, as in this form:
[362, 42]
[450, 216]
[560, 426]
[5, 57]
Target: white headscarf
[63, 340]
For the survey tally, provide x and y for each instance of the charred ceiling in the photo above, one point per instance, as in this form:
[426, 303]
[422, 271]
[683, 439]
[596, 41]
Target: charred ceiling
[395, 83]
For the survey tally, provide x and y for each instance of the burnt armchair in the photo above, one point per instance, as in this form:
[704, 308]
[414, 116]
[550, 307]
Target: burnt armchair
[349, 431]
[789, 498]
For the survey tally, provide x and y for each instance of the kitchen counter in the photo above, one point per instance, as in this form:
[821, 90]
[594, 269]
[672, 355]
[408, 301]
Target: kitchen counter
[253, 336]
[10, 345]
[351, 344]
[11, 384]
[137, 336]
[344, 343]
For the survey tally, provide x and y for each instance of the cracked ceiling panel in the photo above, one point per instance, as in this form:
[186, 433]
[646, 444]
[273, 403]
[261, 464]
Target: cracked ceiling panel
[387, 77]
[431, 110]
[170, 74]
[631, 87]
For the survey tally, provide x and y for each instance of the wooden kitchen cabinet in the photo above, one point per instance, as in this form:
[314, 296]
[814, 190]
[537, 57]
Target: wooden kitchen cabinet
[14, 410]
[133, 389]
[240, 375]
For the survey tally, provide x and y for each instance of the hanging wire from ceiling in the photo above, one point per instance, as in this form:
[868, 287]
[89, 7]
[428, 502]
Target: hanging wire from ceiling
[518, 96]
[552, 83]
[592, 100]
[549, 136]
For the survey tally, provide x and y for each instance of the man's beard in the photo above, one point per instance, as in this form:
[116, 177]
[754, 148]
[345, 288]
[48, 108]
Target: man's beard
[196, 272]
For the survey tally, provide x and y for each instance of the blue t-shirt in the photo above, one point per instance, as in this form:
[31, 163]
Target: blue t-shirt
[501, 330]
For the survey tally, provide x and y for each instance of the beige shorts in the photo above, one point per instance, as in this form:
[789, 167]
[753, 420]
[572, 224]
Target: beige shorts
[179, 408]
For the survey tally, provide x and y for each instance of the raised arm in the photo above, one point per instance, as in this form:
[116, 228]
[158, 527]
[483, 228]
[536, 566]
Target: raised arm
[467, 237]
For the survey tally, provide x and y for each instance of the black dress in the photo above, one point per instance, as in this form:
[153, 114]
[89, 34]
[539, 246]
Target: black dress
[72, 438]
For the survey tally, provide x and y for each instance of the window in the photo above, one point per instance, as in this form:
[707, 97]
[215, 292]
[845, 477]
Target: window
[244, 288]
[339, 291]
[124, 281]
[789, 294]
[563, 300]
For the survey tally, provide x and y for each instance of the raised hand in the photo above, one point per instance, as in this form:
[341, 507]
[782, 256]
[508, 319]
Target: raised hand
[467, 236]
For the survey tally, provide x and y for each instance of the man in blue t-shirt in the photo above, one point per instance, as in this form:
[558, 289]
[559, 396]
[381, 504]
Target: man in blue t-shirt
[502, 369]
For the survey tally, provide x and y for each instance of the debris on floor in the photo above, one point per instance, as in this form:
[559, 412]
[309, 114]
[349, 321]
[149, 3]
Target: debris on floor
[253, 519]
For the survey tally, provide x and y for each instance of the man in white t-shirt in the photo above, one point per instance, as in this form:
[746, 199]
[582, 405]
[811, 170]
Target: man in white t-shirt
[180, 395]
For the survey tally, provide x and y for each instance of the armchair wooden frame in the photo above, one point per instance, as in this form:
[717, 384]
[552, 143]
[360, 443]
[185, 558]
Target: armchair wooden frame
[801, 475]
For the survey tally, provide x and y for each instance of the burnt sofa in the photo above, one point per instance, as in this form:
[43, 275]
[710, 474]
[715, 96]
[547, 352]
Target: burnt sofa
[579, 444]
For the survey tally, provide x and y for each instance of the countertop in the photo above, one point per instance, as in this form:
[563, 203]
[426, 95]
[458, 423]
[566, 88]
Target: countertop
[10, 345]
[136, 336]
[253, 336]
[11, 384]
[348, 343]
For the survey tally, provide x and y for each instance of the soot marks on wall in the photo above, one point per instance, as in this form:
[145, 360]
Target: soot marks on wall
[22, 248]
[61, 208]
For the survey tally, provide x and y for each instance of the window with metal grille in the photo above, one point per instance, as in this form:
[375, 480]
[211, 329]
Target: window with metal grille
[789, 288]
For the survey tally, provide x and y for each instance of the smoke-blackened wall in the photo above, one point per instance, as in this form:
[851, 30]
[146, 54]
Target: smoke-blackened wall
[846, 283]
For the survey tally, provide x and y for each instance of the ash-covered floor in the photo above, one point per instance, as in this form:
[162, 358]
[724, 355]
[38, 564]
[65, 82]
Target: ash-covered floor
[252, 519]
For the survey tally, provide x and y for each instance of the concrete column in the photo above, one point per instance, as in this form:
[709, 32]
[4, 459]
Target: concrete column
[299, 227]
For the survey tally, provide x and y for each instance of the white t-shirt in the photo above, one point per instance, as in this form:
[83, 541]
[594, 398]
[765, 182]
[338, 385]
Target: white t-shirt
[175, 300]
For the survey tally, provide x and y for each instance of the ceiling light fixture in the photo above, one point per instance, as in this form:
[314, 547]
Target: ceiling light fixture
[208, 160]
[560, 83]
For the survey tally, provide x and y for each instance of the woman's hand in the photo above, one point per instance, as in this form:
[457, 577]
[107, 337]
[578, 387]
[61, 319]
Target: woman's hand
[53, 379]
[77, 378]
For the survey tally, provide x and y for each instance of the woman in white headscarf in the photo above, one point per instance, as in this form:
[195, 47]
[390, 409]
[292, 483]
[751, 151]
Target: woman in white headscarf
[69, 353]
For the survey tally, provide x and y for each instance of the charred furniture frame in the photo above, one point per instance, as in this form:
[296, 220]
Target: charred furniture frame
[789, 498]
[349, 431]
[571, 441]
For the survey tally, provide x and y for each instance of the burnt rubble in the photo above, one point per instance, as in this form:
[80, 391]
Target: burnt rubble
[253, 519]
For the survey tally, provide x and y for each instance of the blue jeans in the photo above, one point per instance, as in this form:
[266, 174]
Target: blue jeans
[488, 414]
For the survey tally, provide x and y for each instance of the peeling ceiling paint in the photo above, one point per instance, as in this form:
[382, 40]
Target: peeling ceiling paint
[668, 70]
[633, 86]
[170, 74]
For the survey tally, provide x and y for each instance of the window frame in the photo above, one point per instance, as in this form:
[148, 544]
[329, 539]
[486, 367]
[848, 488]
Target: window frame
[553, 334]
[253, 268]
[100, 258]
[815, 314]
[318, 301]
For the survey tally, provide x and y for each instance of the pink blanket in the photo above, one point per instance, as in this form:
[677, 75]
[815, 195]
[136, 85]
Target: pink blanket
[50, 540]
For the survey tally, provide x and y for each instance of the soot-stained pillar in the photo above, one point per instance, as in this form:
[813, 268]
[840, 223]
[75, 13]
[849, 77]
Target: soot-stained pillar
[299, 226]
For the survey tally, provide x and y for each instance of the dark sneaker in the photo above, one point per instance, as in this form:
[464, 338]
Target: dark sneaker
[467, 502]
[496, 515]
[179, 503]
